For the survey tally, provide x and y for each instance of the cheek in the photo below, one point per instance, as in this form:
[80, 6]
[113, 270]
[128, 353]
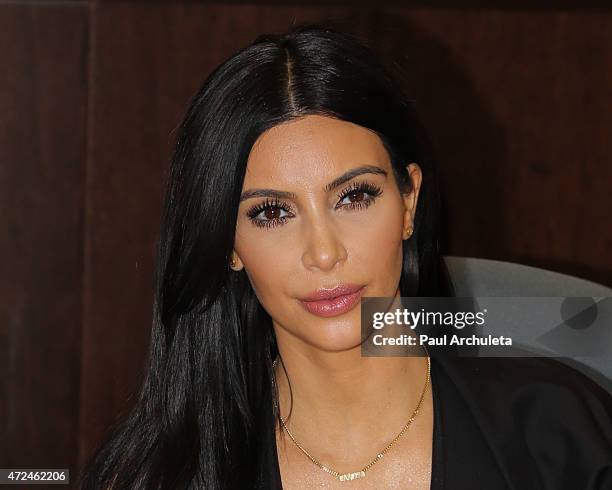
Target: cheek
[268, 261]
[378, 250]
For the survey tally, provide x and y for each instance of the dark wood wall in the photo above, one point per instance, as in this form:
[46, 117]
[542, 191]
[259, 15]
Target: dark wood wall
[517, 101]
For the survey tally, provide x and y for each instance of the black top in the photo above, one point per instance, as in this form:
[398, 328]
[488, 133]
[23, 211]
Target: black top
[518, 423]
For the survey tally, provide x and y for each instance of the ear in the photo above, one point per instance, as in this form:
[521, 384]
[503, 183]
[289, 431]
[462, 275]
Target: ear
[410, 199]
[237, 262]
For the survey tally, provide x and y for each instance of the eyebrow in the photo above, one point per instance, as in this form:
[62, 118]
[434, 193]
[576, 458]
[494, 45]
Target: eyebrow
[337, 182]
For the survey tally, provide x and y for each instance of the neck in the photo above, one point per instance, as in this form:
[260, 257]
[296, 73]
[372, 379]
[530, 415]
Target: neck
[342, 404]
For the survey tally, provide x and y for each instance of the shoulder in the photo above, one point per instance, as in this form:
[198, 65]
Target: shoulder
[530, 382]
[542, 411]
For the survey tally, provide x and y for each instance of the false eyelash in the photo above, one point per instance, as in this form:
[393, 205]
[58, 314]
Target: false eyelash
[372, 189]
[255, 210]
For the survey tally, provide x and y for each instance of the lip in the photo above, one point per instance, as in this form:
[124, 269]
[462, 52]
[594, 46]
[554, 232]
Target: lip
[334, 301]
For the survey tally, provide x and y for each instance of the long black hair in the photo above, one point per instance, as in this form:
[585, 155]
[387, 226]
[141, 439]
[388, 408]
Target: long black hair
[207, 402]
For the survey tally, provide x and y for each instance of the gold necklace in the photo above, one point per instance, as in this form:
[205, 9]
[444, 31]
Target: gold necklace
[361, 473]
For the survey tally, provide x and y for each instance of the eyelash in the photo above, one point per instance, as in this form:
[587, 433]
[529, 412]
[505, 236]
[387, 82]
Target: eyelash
[373, 190]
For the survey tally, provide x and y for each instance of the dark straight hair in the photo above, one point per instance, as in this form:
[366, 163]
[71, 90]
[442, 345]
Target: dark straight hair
[206, 406]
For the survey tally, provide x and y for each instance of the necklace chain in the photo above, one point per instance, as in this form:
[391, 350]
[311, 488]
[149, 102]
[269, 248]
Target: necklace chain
[361, 473]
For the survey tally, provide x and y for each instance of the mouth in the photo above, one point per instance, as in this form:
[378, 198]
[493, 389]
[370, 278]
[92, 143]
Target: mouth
[333, 302]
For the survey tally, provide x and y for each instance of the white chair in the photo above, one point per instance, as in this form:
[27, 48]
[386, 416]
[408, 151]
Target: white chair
[474, 277]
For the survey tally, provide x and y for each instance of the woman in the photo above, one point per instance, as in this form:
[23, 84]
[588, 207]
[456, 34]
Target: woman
[302, 182]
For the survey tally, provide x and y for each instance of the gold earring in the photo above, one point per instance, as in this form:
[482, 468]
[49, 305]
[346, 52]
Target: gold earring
[409, 233]
[232, 262]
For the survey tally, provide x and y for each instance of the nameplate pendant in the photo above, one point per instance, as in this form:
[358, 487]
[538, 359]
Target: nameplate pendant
[352, 476]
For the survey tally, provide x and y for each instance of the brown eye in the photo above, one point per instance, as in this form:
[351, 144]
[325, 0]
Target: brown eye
[272, 212]
[359, 195]
[356, 196]
[269, 213]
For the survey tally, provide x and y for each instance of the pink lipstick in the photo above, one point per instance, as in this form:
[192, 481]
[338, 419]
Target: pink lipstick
[334, 301]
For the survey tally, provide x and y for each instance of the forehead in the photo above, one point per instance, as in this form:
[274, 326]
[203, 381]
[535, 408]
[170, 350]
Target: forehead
[313, 149]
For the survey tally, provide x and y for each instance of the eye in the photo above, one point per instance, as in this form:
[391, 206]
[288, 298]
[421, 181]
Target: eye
[359, 195]
[269, 213]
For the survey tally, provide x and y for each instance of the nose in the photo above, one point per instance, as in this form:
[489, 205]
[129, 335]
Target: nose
[323, 246]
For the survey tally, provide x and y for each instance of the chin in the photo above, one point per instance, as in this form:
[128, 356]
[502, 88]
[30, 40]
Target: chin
[335, 336]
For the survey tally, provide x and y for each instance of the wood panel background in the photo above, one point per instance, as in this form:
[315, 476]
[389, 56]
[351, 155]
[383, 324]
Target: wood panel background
[517, 101]
[43, 105]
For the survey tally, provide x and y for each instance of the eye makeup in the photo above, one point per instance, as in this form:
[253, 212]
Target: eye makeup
[358, 189]
[269, 213]
[271, 209]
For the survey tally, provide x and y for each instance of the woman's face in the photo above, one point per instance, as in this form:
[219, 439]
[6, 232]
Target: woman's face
[305, 226]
